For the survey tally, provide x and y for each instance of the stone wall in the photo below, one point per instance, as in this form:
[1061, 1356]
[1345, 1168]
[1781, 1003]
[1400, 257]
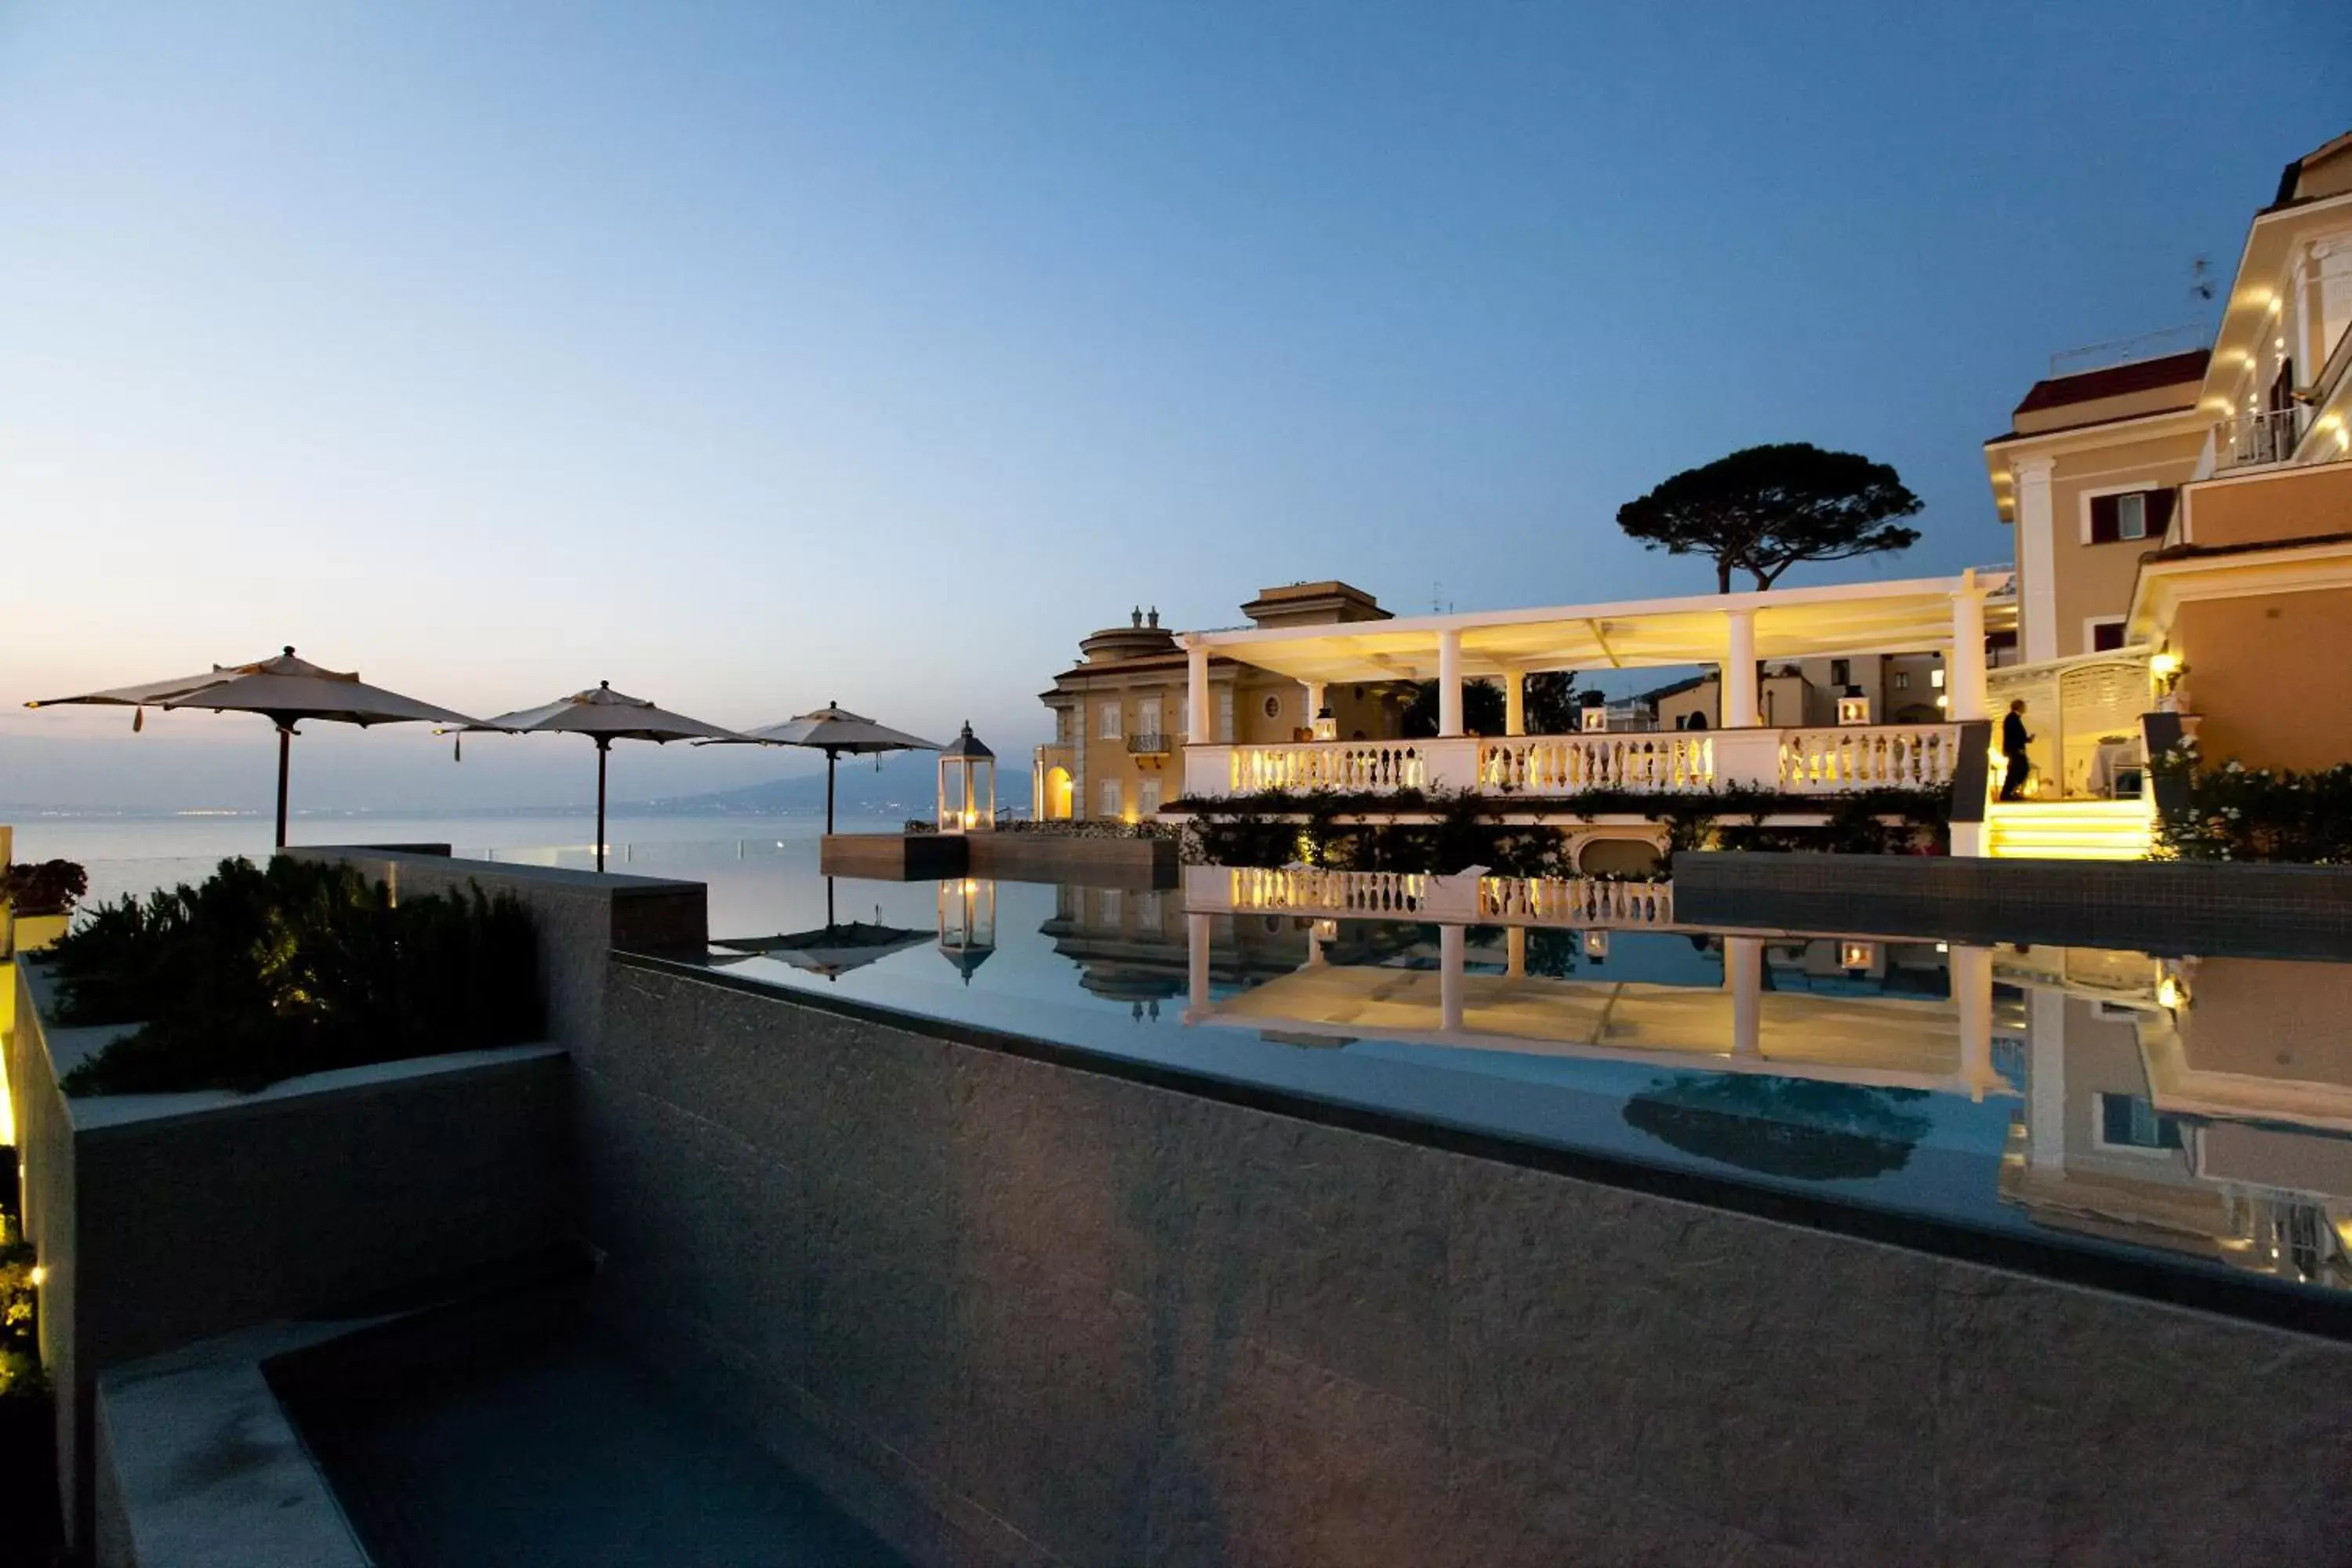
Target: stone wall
[1017, 1306]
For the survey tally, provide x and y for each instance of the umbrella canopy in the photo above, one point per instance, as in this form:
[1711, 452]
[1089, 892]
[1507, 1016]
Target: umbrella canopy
[286, 690]
[835, 729]
[604, 716]
[832, 952]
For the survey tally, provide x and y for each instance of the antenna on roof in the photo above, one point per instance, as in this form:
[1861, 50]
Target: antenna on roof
[2200, 280]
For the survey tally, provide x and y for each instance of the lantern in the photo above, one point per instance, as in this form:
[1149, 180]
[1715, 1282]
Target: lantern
[1854, 708]
[1327, 728]
[967, 786]
[967, 923]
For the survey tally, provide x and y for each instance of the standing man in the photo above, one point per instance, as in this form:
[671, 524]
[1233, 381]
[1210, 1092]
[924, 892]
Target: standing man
[2013, 741]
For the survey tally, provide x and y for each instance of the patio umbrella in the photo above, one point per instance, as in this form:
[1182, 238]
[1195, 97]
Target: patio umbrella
[285, 690]
[604, 716]
[834, 729]
[832, 950]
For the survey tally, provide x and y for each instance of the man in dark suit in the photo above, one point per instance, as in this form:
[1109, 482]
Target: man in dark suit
[2013, 741]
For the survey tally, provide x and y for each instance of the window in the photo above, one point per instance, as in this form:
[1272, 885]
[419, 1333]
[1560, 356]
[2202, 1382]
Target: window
[1225, 714]
[2101, 635]
[2130, 515]
[1902, 680]
[1108, 716]
[1273, 706]
[1146, 796]
[1147, 718]
[1841, 673]
[1109, 797]
[2128, 1122]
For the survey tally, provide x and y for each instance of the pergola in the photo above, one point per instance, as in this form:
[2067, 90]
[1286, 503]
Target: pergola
[1730, 630]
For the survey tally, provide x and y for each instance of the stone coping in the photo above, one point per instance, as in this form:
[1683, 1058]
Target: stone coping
[199, 1464]
[619, 884]
[2119, 1270]
[97, 1114]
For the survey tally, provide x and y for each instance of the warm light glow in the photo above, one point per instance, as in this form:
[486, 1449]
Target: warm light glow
[1942, 701]
[40, 1274]
[2168, 994]
[2164, 664]
[1936, 677]
[1856, 955]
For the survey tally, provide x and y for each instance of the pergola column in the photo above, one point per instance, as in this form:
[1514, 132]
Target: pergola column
[1971, 972]
[1515, 702]
[2037, 559]
[1964, 667]
[1743, 977]
[1196, 696]
[1449, 682]
[1196, 965]
[1515, 951]
[1739, 702]
[1452, 964]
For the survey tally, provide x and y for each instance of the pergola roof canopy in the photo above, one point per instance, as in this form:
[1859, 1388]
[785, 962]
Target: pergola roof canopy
[1912, 616]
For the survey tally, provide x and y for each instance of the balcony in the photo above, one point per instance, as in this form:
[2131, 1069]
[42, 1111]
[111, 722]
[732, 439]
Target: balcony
[1151, 745]
[1815, 761]
[2252, 440]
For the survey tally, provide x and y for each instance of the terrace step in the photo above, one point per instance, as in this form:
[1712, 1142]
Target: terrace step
[2068, 830]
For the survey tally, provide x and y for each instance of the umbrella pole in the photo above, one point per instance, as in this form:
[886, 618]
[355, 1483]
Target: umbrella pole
[285, 745]
[828, 903]
[602, 747]
[831, 756]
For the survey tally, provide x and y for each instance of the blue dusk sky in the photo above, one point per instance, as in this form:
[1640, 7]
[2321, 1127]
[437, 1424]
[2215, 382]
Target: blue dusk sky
[752, 356]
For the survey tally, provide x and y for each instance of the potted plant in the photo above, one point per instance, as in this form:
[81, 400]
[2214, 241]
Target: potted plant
[40, 898]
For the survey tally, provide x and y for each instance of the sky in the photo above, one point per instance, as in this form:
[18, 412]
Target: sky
[753, 356]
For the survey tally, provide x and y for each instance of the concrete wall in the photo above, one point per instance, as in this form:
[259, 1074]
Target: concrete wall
[2270, 676]
[1086, 1319]
[2276, 505]
[166, 1219]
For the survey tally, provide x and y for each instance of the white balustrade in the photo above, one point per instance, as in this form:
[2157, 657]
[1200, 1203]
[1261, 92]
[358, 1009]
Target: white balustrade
[1310, 890]
[1576, 901]
[1654, 763]
[1827, 761]
[1836, 762]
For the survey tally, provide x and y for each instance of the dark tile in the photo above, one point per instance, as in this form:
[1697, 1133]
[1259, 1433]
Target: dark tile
[881, 1354]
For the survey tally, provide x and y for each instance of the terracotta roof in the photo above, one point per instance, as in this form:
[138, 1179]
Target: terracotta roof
[2116, 381]
[2249, 547]
[2292, 176]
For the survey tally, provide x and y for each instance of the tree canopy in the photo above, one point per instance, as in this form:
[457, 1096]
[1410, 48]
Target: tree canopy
[1550, 704]
[1764, 509]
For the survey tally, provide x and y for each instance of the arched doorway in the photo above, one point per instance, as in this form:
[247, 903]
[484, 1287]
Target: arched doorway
[1057, 795]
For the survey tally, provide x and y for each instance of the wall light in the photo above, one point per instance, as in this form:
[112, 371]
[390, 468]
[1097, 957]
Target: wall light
[40, 1274]
[2164, 664]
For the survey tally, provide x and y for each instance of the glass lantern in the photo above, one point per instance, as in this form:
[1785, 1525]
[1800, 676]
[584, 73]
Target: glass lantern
[967, 786]
[1853, 709]
[967, 923]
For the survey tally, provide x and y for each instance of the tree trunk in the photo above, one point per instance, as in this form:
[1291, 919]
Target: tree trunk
[1723, 574]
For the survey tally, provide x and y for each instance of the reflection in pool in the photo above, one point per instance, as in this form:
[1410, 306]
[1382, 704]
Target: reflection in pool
[2194, 1110]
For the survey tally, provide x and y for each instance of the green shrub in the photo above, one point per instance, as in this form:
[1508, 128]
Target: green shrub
[258, 976]
[2236, 812]
[43, 887]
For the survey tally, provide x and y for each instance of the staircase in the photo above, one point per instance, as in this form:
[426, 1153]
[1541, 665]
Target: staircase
[2067, 830]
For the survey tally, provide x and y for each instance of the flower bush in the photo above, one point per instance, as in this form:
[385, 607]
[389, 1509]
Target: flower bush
[258, 976]
[2237, 813]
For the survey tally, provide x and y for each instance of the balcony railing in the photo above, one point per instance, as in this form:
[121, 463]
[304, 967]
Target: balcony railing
[2269, 436]
[1153, 745]
[1821, 761]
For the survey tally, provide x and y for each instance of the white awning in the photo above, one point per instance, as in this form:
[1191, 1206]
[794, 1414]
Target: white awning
[1912, 616]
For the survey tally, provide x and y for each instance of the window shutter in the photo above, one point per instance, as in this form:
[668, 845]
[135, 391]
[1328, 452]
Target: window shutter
[2102, 519]
[2160, 513]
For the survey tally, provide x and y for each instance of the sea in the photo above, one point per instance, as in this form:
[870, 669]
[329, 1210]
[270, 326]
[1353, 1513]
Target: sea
[133, 855]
